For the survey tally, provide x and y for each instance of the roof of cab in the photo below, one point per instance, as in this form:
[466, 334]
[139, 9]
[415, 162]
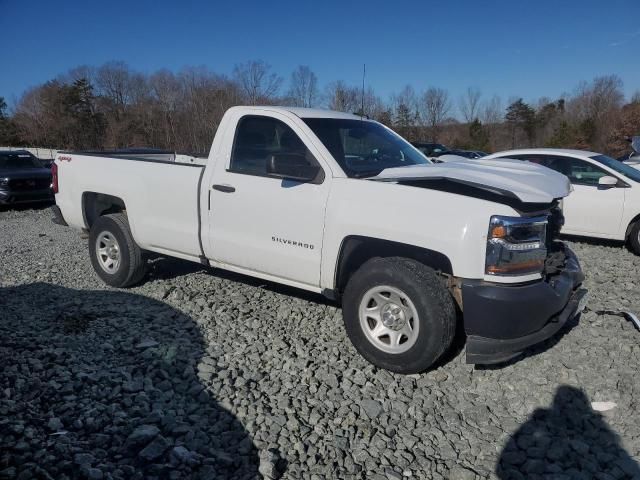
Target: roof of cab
[304, 112]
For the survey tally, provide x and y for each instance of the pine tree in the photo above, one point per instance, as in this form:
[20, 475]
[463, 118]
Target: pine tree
[478, 135]
[521, 116]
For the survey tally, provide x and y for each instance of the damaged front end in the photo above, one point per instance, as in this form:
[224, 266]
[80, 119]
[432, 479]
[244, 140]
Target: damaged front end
[543, 287]
[501, 320]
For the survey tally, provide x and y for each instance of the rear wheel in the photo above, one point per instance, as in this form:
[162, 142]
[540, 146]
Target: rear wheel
[634, 237]
[398, 314]
[115, 256]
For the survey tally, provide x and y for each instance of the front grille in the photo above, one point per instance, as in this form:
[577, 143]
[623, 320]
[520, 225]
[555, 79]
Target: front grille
[25, 184]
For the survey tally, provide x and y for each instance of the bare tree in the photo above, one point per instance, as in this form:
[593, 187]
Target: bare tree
[606, 95]
[492, 111]
[372, 105]
[593, 108]
[469, 104]
[405, 109]
[594, 100]
[257, 82]
[342, 97]
[167, 93]
[77, 73]
[435, 105]
[117, 82]
[407, 97]
[303, 90]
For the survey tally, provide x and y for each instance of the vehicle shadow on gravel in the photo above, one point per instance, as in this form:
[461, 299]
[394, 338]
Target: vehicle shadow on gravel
[568, 440]
[110, 384]
[167, 268]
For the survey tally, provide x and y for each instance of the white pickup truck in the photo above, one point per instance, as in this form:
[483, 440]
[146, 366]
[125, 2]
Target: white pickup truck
[340, 205]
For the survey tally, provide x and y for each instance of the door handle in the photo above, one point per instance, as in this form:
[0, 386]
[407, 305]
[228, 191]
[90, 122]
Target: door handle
[224, 188]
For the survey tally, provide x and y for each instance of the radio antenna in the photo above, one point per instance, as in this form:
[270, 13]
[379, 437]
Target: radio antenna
[364, 72]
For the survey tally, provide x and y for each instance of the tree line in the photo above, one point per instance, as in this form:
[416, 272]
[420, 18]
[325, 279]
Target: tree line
[114, 106]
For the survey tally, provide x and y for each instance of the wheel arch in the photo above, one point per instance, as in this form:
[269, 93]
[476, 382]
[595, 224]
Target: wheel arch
[355, 250]
[95, 204]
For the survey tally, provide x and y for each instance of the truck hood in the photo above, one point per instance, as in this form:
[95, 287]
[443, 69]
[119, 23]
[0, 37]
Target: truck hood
[525, 181]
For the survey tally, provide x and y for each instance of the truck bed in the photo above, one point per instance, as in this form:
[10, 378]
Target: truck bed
[161, 196]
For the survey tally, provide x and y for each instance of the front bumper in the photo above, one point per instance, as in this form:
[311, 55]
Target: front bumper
[8, 197]
[502, 320]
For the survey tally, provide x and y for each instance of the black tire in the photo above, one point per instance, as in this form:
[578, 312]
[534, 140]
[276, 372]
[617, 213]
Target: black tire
[132, 265]
[433, 304]
[634, 237]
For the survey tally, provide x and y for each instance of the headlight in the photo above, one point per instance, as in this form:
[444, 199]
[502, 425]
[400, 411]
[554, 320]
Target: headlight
[516, 245]
[4, 182]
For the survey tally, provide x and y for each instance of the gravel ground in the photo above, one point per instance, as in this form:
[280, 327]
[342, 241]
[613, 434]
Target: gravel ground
[199, 373]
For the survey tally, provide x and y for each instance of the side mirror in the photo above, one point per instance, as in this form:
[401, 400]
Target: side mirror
[292, 166]
[607, 181]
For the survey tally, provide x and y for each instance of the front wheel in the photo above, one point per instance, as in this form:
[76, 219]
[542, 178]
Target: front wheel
[115, 256]
[398, 314]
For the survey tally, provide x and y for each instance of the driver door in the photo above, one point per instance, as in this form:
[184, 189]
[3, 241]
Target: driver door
[265, 224]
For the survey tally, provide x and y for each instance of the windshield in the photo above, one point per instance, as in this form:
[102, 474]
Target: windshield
[618, 166]
[364, 148]
[18, 160]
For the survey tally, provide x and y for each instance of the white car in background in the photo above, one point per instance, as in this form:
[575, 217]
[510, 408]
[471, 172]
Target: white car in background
[605, 201]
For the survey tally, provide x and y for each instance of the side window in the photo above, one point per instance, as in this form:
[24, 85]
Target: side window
[258, 138]
[578, 171]
[583, 173]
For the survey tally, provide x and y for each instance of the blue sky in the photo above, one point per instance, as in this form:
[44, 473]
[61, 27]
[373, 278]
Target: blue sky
[510, 48]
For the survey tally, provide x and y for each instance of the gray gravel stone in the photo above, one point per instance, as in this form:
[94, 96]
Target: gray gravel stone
[371, 407]
[141, 436]
[155, 449]
[95, 474]
[55, 424]
[392, 474]
[459, 472]
[268, 464]
[147, 343]
[83, 459]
